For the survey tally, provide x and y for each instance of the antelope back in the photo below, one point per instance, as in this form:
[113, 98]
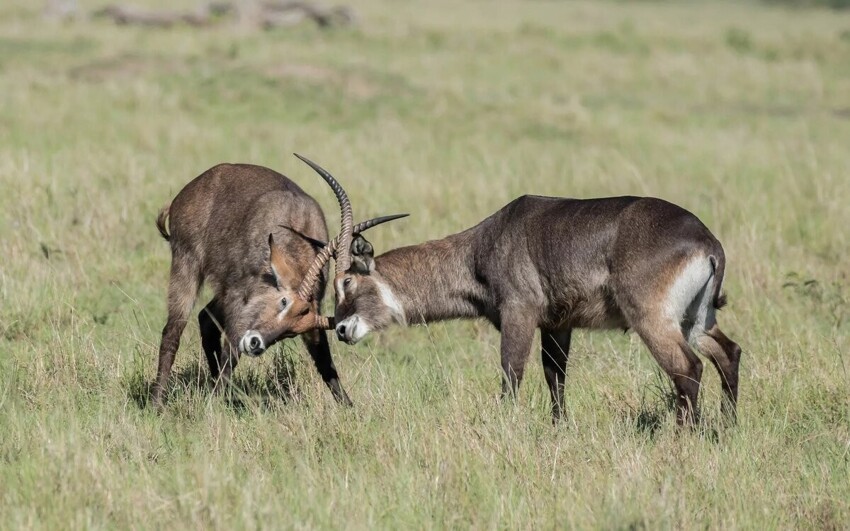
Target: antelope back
[238, 227]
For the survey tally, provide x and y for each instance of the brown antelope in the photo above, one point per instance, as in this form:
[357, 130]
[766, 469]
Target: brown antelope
[253, 235]
[557, 264]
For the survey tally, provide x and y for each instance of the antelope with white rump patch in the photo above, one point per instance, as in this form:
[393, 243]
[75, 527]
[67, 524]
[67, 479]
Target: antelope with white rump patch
[558, 264]
[254, 235]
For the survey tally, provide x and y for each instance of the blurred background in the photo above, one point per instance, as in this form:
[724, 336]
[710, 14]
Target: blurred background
[738, 111]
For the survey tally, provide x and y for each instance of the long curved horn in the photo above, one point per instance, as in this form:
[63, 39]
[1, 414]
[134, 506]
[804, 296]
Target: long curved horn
[323, 322]
[360, 227]
[346, 214]
[369, 223]
[305, 290]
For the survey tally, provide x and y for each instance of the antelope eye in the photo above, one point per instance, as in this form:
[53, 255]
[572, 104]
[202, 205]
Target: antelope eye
[283, 303]
[346, 282]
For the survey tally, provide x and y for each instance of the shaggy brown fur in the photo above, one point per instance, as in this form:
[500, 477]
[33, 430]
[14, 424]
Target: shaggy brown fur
[558, 264]
[227, 230]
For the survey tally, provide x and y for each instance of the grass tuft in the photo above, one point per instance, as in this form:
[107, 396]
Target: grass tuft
[447, 110]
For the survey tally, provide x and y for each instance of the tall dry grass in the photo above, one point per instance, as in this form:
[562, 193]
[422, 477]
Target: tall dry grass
[447, 110]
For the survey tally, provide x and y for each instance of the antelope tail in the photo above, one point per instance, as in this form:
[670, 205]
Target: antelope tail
[161, 221]
[718, 299]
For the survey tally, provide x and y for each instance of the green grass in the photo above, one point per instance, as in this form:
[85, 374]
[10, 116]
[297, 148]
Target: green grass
[446, 110]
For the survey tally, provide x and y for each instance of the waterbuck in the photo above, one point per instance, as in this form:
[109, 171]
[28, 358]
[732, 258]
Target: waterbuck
[254, 236]
[557, 264]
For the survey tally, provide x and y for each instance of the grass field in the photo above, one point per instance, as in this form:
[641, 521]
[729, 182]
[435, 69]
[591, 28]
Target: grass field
[447, 110]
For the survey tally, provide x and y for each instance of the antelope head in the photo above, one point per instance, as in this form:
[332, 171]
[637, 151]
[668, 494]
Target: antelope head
[365, 303]
[279, 306]
[346, 264]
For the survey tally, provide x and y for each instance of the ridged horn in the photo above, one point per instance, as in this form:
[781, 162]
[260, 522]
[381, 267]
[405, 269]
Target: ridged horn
[346, 215]
[305, 290]
[308, 283]
[369, 223]
[360, 227]
[324, 322]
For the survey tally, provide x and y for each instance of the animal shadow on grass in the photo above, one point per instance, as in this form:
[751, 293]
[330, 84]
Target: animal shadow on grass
[657, 404]
[268, 387]
[272, 384]
[192, 378]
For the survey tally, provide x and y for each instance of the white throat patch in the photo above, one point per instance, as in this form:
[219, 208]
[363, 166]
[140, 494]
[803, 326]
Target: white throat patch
[391, 302]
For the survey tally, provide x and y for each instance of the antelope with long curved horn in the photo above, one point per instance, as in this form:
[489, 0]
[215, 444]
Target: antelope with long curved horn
[557, 264]
[250, 233]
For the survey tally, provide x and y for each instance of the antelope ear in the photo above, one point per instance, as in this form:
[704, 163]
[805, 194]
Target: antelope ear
[318, 244]
[362, 255]
[280, 268]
